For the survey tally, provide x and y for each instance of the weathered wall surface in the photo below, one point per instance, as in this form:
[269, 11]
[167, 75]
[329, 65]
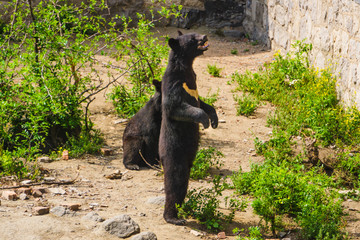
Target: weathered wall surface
[332, 26]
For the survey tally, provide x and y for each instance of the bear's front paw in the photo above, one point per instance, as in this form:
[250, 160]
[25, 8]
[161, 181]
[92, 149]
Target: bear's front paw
[214, 121]
[205, 122]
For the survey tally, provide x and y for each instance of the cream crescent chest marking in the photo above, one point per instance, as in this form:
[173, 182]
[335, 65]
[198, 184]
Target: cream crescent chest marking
[192, 92]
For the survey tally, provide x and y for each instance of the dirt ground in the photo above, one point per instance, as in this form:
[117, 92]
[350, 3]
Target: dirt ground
[129, 195]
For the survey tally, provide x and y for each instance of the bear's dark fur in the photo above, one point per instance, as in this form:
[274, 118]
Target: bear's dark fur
[182, 111]
[142, 134]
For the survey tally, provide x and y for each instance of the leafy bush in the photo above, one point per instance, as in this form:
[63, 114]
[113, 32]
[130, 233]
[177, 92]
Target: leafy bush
[42, 89]
[203, 204]
[210, 98]
[213, 70]
[254, 234]
[247, 104]
[205, 159]
[145, 57]
[234, 51]
[44, 92]
[305, 196]
[283, 185]
[305, 97]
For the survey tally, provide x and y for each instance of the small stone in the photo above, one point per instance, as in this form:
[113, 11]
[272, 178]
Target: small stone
[40, 210]
[65, 155]
[25, 190]
[121, 226]
[72, 206]
[93, 205]
[93, 216]
[106, 151]
[23, 196]
[121, 121]
[116, 175]
[221, 235]
[9, 195]
[196, 233]
[41, 189]
[25, 182]
[282, 234]
[144, 236]
[222, 121]
[85, 180]
[156, 200]
[58, 211]
[49, 179]
[45, 159]
[36, 193]
[57, 191]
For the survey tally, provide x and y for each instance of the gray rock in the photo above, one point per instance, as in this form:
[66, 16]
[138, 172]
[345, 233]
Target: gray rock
[26, 182]
[93, 216]
[156, 200]
[23, 196]
[58, 211]
[121, 226]
[49, 179]
[144, 236]
[57, 191]
[45, 159]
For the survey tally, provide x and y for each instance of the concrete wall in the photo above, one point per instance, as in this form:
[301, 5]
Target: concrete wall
[332, 26]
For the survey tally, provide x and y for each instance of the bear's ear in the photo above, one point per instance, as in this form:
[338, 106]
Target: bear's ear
[157, 85]
[174, 44]
[180, 33]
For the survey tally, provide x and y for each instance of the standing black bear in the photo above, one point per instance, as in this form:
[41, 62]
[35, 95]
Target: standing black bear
[142, 134]
[182, 111]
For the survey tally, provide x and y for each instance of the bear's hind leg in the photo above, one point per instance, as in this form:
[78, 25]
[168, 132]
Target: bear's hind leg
[176, 184]
[132, 158]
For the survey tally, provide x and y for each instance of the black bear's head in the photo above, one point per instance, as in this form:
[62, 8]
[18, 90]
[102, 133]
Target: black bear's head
[189, 45]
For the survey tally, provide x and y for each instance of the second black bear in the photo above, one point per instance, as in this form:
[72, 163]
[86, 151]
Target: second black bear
[141, 135]
[182, 111]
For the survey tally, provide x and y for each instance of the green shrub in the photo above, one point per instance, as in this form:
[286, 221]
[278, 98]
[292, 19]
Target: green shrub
[210, 98]
[234, 51]
[203, 205]
[305, 98]
[213, 70]
[247, 104]
[144, 56]
[306, 105]
[205, 159]
[44, 91]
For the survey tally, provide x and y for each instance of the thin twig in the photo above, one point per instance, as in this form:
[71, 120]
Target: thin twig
[159, 169]
[107, 85]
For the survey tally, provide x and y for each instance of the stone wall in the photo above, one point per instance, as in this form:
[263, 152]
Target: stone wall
[332, 26]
